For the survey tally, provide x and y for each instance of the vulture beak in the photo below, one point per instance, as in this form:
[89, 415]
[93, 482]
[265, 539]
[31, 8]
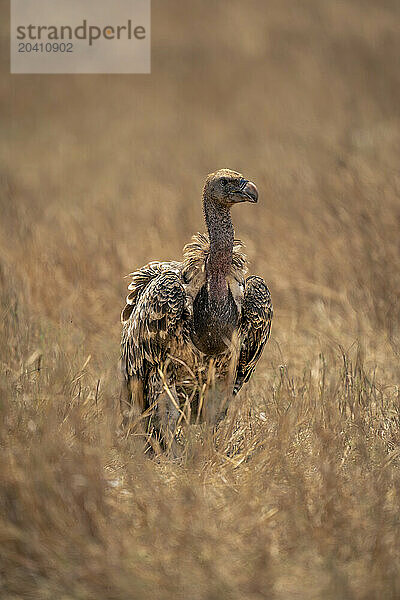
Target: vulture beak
[249, 191]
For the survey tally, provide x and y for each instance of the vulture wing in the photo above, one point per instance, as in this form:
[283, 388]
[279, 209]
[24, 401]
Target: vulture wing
[152, 316]
[255, 328]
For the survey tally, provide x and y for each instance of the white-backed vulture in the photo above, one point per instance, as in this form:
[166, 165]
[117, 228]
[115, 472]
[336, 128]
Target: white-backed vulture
[194, 325]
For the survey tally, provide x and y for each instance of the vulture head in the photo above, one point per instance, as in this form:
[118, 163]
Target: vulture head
[228, 187]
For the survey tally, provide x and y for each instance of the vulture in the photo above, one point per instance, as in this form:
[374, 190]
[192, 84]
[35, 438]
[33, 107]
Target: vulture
[193, 331]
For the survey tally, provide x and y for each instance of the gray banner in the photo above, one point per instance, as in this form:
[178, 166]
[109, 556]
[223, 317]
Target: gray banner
[80, 36]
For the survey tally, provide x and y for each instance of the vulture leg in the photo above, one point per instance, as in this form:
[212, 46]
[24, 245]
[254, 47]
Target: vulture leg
[218, 395]
[218, 401]
[222, 384]
[167, 416]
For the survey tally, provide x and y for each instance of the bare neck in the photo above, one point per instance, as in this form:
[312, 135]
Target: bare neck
[221, 234]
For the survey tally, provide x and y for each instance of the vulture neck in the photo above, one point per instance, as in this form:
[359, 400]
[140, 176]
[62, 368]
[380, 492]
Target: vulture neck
[215, 315]
[221, 234]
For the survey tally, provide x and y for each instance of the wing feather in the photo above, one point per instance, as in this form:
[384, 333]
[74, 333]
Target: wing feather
[255, 328]
[152, 315]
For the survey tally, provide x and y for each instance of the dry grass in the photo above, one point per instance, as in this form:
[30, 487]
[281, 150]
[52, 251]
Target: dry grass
[299, 497]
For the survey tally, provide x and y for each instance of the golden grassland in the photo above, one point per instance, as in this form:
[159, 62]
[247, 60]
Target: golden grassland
[298, 496]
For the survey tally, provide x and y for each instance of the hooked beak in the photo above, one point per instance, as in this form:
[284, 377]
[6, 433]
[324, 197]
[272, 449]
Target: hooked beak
[249, 191]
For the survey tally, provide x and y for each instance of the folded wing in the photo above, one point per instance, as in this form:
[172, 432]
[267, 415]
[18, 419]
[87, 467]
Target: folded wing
[255, 328]
[152, 316]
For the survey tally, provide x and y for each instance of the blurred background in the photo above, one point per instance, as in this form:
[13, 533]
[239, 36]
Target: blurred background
[101, 174]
